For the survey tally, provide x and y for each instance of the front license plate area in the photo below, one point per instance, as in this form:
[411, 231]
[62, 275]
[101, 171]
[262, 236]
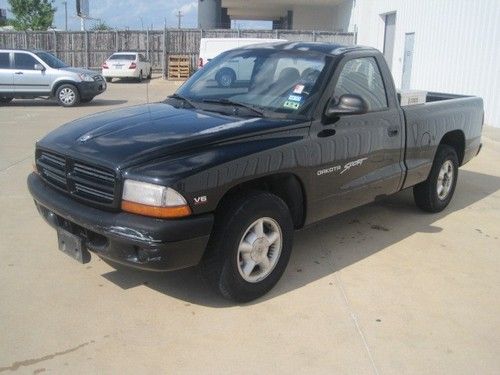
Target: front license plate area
[72, 245]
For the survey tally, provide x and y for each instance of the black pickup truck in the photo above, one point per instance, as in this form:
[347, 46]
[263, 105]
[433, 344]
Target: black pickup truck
[221, 176]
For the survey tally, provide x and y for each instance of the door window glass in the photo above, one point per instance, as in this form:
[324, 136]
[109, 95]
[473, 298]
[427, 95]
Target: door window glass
[362, 77]
[4, 60]
[24, 61]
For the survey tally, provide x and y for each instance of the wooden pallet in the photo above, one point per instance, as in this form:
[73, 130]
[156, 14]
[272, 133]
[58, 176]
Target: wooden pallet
[179, 67]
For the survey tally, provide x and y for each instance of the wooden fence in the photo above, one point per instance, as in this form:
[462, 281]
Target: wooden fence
[91, 48]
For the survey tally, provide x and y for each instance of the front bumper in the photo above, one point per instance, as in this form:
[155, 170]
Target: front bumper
[91, 89]
[132, 240]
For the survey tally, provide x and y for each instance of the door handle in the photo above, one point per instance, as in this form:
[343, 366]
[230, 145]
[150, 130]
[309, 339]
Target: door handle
[393, 131]
[18, 73]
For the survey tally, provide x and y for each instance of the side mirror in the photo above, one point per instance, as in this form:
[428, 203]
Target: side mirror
[347, 105]
[39, 67]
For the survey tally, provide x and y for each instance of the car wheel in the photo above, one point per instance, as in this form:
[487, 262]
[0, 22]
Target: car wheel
[225, 77]
[139, 79]
[67, 95]
[435, 193]
[150, 73]
[109, 79]
[5, 100]
[250, 246]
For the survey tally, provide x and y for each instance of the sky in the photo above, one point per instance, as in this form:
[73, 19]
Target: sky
[135, 14]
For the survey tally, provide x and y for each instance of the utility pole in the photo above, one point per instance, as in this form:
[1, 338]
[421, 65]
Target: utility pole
[65, 3]
[179, 16]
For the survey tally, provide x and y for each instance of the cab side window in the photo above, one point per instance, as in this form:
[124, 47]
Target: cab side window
[24, 61]
[362, 77]
[4, 60]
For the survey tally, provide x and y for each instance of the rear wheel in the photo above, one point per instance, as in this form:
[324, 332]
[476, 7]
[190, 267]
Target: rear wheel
[435, 193]
[250, 246]
[67, 95]
[150, 73]
[139, 79]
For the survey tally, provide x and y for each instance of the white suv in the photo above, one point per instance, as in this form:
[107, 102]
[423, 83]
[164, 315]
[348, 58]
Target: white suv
[126, 65]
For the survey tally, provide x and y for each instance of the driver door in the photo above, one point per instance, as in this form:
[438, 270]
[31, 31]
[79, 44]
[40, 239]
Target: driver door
[26, 78]
[360, 153]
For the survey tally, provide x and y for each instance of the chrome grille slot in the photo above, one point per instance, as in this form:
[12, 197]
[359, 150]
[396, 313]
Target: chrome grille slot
[81, 180]
[53, 168]
[93, 183]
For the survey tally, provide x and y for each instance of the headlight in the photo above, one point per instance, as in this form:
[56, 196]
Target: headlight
[153, 200]
[86, 77]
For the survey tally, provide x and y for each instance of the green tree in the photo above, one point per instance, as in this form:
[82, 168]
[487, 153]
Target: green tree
[32, 14]
[101, 26]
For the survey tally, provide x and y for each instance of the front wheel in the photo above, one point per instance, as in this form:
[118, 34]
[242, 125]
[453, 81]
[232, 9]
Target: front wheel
[109, 79]
[250, 247]
[5, 100]
[67, 95]
[435, 193]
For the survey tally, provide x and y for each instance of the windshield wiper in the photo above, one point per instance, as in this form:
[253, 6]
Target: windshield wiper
[183, 98]
[235, 103]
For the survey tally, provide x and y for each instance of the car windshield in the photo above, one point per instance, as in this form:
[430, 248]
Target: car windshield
[267, 79]
[122, 57]
[51, 60]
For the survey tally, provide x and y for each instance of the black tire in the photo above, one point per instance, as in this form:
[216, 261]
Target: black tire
[225, 77]
[139, 79]
[109, 79]
[71, 92]
[4, 100]
[86, 100]
[221, 265]
[426, 193]
[150, 73]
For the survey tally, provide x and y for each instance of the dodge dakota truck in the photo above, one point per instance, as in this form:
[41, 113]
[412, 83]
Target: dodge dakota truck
[220, 177]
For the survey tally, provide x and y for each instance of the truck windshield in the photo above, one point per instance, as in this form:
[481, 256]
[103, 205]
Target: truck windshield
[264, 78]
[51, 60]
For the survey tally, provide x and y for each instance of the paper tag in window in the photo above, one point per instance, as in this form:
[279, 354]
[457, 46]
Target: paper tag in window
[290, 104]
[295, 98]
[298, 89]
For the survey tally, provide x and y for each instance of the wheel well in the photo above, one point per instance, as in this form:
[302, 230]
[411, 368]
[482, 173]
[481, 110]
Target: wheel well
[60, 83]
[455, 139]
[287, 186]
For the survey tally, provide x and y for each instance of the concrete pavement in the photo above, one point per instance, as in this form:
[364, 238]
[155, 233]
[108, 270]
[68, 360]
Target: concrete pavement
[383, 289]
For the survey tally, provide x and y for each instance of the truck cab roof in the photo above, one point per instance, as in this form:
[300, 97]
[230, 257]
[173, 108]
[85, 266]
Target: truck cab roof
[319, 47]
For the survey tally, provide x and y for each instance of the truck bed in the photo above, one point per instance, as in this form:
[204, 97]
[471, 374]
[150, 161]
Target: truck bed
[427, 123]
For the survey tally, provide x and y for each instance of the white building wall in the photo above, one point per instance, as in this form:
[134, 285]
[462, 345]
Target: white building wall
[307, 17]
[457, 44]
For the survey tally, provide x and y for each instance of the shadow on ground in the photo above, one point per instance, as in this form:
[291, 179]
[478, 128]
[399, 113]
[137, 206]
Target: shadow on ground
[328, 246]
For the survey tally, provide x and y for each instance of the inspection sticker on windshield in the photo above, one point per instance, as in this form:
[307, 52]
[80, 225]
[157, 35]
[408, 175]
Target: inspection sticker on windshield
[298, 89]
[295, 98]
[292, 105]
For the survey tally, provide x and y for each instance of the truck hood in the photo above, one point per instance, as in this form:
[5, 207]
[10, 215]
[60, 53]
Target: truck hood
[132, 135]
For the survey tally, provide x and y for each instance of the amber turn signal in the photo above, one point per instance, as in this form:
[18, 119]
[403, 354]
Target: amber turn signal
[154, 211]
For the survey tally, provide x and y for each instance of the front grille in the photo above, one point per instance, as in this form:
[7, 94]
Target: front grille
[81, 180]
